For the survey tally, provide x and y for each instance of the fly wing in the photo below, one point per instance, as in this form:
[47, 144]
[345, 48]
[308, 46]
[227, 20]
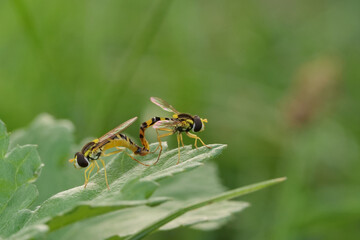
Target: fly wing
[164, 105]
[166, 124]
[118, 129]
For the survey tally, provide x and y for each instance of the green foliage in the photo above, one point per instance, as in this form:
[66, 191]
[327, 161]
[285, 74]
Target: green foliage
[18, 168]
[55, 142]
[131, 208]
[221, 197]
[233, 62]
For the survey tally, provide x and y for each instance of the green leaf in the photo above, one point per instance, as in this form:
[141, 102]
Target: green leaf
[4, 140]
[221, 197]
[131, 184]
[54, 139]
[141, 199]
[196, 184]
[128, 180]
[18, 169]
[32, 232]
[94, 209]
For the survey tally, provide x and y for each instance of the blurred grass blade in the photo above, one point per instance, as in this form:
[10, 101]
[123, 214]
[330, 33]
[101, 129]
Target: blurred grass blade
[131, 61]
[27, 22]
[141, 43]
[221, 197]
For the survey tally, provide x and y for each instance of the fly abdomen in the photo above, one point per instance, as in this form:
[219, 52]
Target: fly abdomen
[146, 125]
[142, 151]
[121, 140]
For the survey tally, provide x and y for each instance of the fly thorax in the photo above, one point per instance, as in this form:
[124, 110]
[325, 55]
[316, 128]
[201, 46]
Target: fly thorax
[94, 155]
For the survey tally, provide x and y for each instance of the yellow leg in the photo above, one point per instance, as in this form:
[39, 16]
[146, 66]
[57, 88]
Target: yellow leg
[178, 140]
[157, 132]
[123, 149]
[86, 180]
[114, 152]
[181, 138]
[196, 138]
[137, 160]
[98, 168]
[89, 169]
[159, 139]
[103, 163]
[119, 149]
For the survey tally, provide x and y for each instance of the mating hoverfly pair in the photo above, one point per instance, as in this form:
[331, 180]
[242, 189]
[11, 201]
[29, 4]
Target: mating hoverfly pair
[114, 139]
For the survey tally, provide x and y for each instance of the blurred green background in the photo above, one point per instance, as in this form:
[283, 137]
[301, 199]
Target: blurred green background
[277, 80]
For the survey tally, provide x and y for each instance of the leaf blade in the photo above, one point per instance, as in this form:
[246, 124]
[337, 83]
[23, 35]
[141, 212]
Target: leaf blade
[4, 140]
[18, 169]
[225, 196]
[136, 183]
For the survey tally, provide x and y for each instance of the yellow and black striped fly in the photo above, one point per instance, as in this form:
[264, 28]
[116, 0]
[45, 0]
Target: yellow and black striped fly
[179, 123]
[95, 149]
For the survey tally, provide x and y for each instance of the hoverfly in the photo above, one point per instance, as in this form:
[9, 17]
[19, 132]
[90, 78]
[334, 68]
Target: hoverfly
[179, 123]
[95, 149]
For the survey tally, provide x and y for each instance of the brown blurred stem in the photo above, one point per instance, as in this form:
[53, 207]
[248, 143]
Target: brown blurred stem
[313, 91]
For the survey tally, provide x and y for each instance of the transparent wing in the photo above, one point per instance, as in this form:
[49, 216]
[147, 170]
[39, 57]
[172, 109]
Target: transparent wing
[167, 124]
[164, 105]
[118, 129]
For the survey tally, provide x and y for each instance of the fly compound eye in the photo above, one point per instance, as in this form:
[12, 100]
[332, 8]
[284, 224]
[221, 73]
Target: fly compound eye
[198, 125]
[81, 161]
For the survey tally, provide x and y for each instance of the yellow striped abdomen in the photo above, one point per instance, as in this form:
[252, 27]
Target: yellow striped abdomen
[121, 140]
[144, 126]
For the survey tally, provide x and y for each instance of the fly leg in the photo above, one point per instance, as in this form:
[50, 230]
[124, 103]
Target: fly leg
[103, 163]
[159, 139]
[178, 140]
[98, 168]
[196, 138]
[147, 165]
[119, 149]
[181, 139]
[87, 175]
[114, 152]
[157, 132]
